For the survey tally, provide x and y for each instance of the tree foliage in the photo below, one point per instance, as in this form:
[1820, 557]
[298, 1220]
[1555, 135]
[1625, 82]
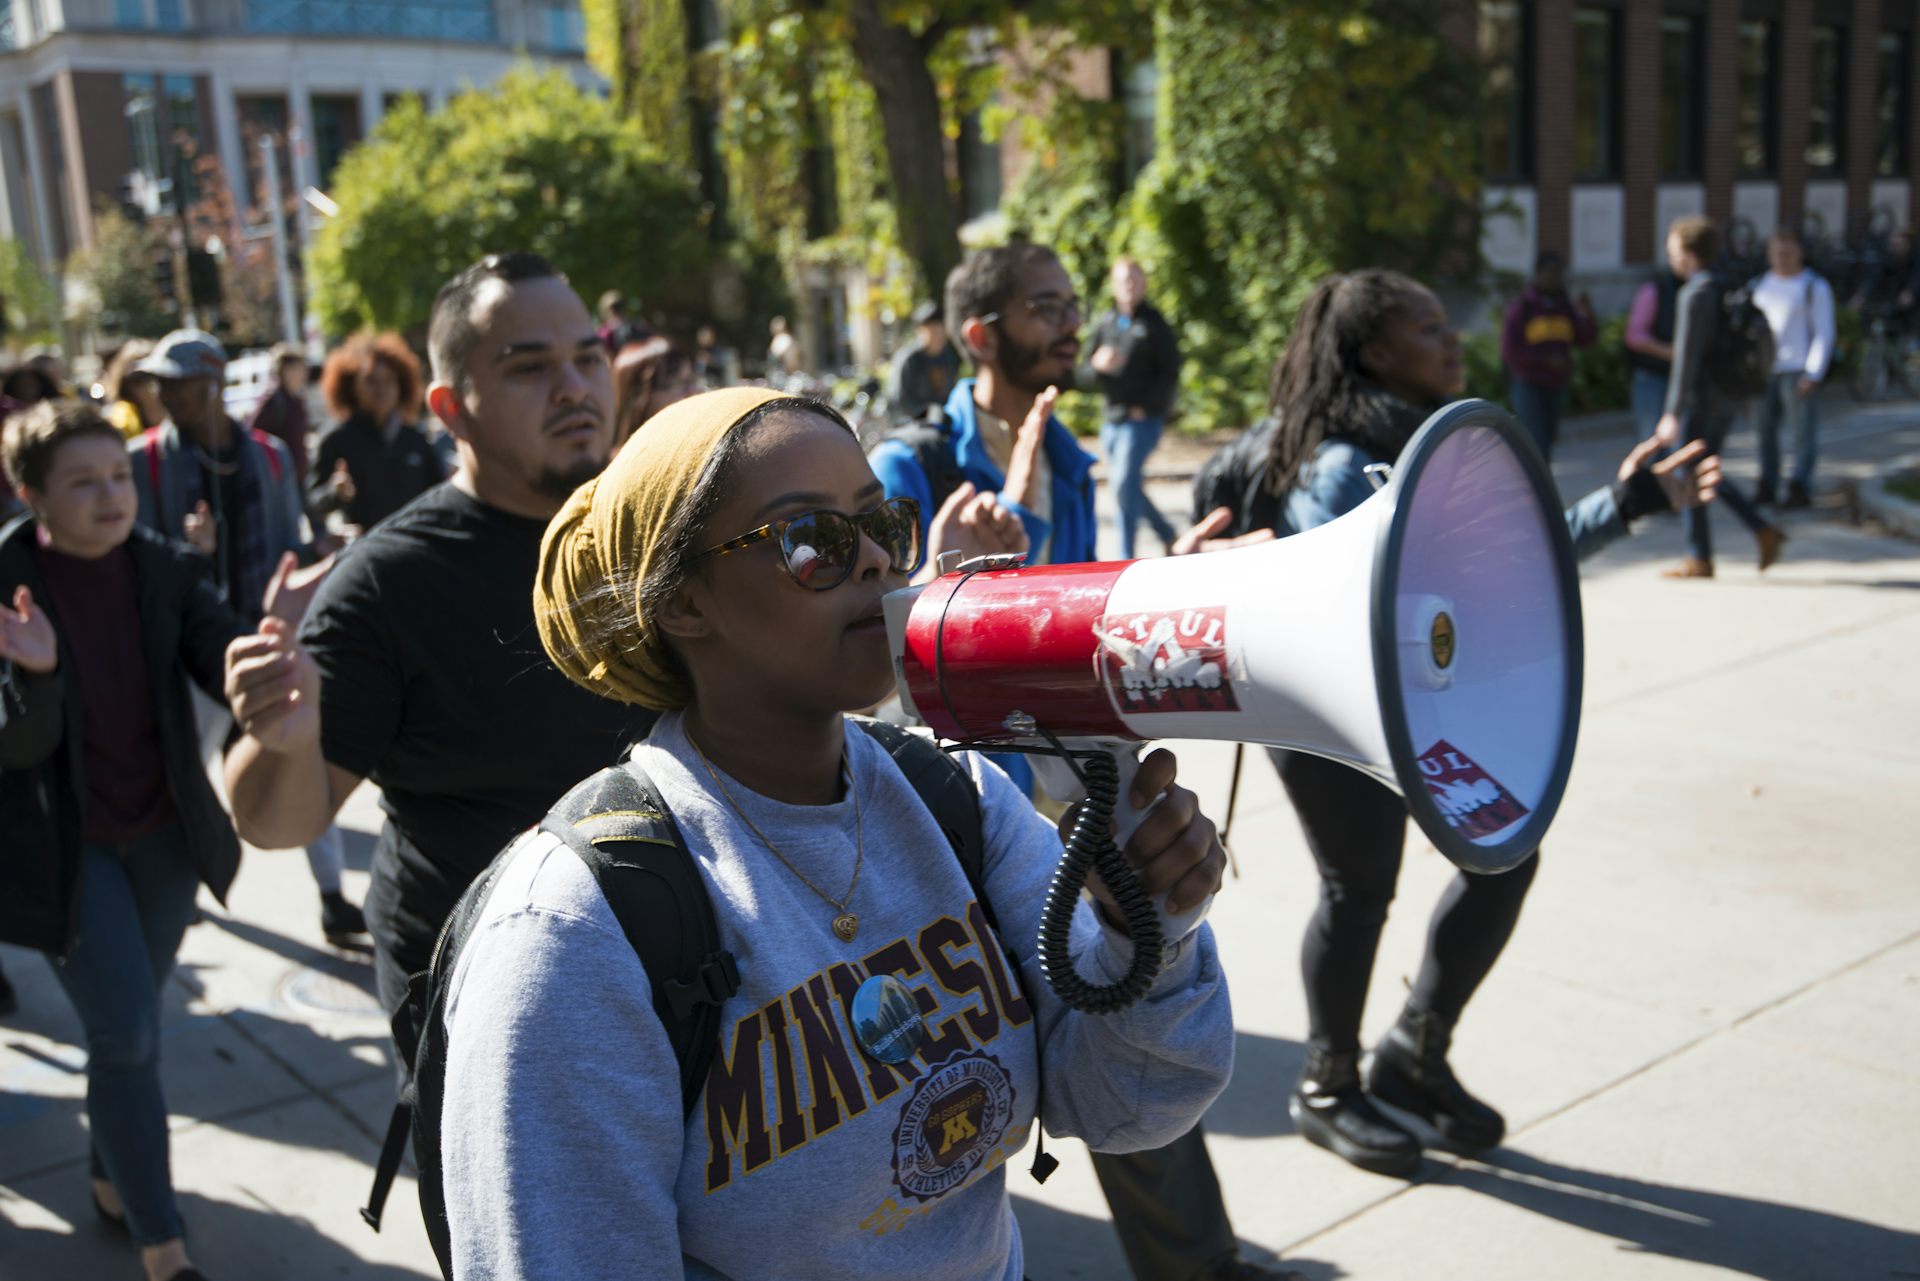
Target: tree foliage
[116, 281]
[533, 164]
[28, 303]
[1292, 141]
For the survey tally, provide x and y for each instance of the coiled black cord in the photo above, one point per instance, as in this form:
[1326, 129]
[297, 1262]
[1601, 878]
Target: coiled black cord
[1091, 846]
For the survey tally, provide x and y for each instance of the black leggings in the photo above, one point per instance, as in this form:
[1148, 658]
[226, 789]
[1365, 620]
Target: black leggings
[1355, 828]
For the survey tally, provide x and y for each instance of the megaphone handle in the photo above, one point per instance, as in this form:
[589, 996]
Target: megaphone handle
[1127, 821]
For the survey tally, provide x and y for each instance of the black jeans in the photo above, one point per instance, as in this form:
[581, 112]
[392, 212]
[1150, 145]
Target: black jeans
[1356, 829]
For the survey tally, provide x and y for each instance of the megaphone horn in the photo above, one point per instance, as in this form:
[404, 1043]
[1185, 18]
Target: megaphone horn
[1431, 638]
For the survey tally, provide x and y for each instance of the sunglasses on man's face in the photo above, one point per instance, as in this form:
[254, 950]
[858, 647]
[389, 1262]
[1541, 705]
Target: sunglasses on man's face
[820, 548]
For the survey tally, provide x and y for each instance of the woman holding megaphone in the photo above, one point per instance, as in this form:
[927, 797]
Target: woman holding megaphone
[1370, 358]
[885, 1049]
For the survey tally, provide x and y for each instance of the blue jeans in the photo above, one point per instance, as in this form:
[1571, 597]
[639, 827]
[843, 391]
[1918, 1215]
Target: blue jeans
[1802, 414]
[1649, 398]
[136, 902]
[1127, 444]
[1693, 521]
[1538, 409]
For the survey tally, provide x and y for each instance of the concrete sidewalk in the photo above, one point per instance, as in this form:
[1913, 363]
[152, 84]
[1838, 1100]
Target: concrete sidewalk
[1706, 1034]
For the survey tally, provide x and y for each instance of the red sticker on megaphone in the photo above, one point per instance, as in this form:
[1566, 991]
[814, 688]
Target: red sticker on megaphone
[1167, 662]
[1469, 798]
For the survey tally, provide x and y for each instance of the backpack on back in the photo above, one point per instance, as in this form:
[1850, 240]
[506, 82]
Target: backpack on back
[932, 450]
[618, 826]
[1739, 360]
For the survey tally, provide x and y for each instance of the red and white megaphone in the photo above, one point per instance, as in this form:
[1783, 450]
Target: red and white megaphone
[1431, 638]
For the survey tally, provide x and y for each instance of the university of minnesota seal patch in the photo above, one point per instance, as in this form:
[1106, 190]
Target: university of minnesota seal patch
[957, 1114]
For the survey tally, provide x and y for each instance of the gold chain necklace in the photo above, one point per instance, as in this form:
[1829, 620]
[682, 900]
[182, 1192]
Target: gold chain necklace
[846, 924]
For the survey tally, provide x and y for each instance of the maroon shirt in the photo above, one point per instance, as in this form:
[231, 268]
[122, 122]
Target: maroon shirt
[95, 607]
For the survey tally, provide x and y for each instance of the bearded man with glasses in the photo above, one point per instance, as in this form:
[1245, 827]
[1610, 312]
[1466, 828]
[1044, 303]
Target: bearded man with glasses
[1017, 314]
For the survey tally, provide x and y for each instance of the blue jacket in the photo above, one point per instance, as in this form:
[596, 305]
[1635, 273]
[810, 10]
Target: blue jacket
[1065, 539]
[1335, 484]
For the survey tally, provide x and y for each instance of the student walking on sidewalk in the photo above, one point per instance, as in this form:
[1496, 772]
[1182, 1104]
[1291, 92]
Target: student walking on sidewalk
[1798, 304]
[1537, 340]
[1696, 408]
[110, 824]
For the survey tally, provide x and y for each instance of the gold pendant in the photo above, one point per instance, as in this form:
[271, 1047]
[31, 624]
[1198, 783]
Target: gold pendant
[846, 925]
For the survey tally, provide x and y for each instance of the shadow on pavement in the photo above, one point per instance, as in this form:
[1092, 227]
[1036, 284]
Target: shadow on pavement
[225, 1239]
[1254, 1104]
[1754, 1238]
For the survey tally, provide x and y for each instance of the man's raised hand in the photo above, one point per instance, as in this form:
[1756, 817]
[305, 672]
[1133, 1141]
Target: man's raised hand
[273, 688]
[973, 524]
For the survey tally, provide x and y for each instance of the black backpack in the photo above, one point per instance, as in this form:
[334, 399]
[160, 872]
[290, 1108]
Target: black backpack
[620, 828]
[1739, 360]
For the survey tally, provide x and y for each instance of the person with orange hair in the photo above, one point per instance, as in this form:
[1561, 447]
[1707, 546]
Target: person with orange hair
[373, 460]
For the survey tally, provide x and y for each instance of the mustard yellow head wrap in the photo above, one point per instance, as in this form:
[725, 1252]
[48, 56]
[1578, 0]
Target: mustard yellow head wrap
[601, 545]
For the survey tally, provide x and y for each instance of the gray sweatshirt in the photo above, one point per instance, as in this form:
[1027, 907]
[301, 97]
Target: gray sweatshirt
[564, 1147]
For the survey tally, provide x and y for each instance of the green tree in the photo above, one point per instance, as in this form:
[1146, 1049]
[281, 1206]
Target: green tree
[534, 164]
[1292, 140]
[119, 278]
[876, 86]
[28, 303]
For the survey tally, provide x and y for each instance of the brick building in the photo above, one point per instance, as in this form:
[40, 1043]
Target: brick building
[1610, 118]
[100, 100]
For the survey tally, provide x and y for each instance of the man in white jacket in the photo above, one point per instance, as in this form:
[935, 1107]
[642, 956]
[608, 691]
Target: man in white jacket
[1798, 305]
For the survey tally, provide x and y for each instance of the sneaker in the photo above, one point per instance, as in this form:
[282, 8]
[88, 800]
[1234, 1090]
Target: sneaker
[1691, 567]
[1763, 496]
[1797, 496]
[1771, 539]
[339, 919]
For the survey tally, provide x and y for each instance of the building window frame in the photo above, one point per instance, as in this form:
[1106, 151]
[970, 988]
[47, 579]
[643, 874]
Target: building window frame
[1688, 165]
[1768, 124]
[1603, 165]
[1827, 158]
[1892, 147]
[1516, 167]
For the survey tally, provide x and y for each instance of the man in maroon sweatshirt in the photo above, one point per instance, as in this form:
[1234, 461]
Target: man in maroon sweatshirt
[1537, 338]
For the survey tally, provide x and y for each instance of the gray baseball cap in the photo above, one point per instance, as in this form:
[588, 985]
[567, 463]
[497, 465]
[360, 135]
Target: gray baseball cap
[185, 353]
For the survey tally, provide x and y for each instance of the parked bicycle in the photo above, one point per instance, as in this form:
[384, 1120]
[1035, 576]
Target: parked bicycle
[1889, 363]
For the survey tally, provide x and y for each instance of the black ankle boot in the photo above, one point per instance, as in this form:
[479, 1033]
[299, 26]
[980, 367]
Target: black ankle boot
[1409, 1071]
[1329, 1108]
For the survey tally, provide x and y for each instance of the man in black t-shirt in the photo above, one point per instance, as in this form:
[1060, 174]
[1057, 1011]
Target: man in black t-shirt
[418, 665]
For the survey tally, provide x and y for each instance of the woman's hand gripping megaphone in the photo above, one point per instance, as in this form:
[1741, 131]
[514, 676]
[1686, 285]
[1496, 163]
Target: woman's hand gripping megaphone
[1171, 846]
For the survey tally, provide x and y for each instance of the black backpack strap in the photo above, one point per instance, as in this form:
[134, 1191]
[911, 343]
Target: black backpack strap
[617, 825]
[949, 795]
[932, 450]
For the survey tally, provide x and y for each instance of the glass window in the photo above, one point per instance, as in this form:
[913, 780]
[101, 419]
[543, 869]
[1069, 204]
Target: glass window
[1827, 116]
[129, 13]
[1681, 79]
[1141, 91]
[263, 118]
[336, 127]
[565, 30]
[8, 40]
[183, 133]
[167, 15]
[1890, 155]
[148, 186]
[431, 19]
[1503, 47]
[1596, 97]
[979, 170]
[1754, 127]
